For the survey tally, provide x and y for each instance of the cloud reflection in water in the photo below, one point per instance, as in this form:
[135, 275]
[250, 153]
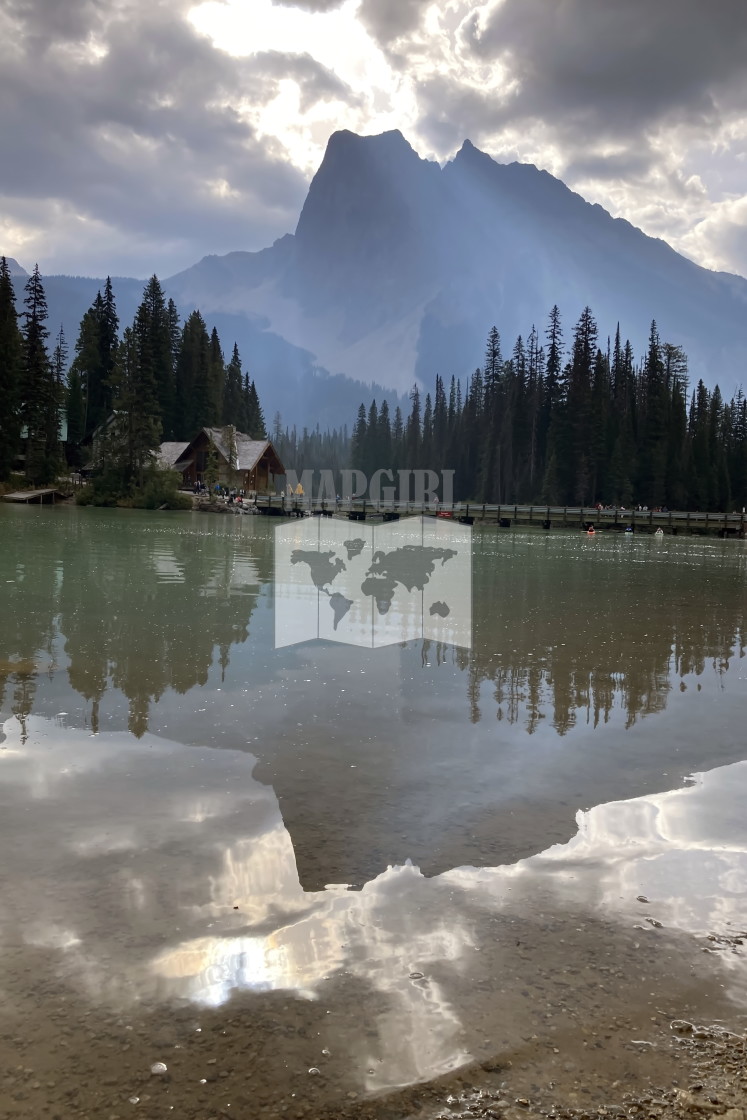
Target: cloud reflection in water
[151, 843]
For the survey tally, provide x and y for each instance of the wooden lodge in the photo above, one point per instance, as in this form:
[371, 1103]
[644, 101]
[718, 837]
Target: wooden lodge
[241, 462]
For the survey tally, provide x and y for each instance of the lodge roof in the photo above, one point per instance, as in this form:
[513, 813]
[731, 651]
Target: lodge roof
[169, 452]
[248, 451]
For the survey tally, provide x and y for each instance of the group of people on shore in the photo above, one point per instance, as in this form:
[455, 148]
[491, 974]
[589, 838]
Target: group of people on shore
[230, 495]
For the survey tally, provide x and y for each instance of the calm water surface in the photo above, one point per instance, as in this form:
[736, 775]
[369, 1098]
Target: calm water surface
[309, 877]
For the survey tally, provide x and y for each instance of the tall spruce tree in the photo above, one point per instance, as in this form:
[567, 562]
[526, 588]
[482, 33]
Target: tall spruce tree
[217, 376]
[136, 432]
[10, 373]
[233, 411]
[75, 406]
[41, 403]
[256, 420]
[655, 404]
[193, 379]
[108, 341]
[358, 442]
[413, 433]
[86, 371]
[153, 338]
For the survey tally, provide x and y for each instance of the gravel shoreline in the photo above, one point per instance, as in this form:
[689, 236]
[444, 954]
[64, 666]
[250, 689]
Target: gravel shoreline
[712, 1083]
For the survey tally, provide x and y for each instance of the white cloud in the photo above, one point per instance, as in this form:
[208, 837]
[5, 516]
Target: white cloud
[119, 118]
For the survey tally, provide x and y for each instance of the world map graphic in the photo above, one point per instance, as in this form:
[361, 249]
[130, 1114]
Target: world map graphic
[410, 566]
[373, 584]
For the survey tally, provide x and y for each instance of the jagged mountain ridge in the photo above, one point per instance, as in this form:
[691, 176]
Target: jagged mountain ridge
[398, 268]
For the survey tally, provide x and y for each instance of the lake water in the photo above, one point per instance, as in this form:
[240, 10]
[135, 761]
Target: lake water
[329, 878]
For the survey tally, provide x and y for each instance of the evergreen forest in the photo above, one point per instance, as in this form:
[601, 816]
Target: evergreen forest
[162, 378]
[570, 427]
[571, 423]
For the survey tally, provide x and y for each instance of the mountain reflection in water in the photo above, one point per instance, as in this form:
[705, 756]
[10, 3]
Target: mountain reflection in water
[166, 873]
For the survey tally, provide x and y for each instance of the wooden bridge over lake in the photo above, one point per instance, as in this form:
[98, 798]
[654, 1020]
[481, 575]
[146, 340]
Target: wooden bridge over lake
[506, 516]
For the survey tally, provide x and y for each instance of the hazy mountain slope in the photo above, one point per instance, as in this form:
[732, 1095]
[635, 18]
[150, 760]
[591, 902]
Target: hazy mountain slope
[541, 243]
[15, 268]
[288, 378]
[398, 268]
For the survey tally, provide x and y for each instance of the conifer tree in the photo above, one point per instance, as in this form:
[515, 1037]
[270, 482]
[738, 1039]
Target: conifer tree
[655, 400]
[371, 446]
[85, 369]
[10, 373]
[413, 434]
[41, 403]
[426, 449]
[217, 376]
[398, 431]
[384, 440]
[196, 405]
[108, 339]
[75, 417]
[440, 426]
[136, 432]
[153, 338]
[358, 443]
[233, 410]
[256, 426]
[579, 406]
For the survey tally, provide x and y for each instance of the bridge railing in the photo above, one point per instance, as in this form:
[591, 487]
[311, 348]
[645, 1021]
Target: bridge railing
[507, 513]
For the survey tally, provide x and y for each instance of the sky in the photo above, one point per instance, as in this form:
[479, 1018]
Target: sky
[136, 136]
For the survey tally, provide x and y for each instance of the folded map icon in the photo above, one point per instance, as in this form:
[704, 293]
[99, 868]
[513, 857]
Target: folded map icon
[372, 585]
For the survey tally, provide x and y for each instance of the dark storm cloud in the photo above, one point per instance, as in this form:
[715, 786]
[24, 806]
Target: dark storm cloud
[619, 65]
[387, 20]
[149, 137]
[39, 22]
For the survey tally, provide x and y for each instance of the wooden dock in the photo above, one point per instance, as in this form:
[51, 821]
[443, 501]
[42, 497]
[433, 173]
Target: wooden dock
[48, 495]
[505, 516]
